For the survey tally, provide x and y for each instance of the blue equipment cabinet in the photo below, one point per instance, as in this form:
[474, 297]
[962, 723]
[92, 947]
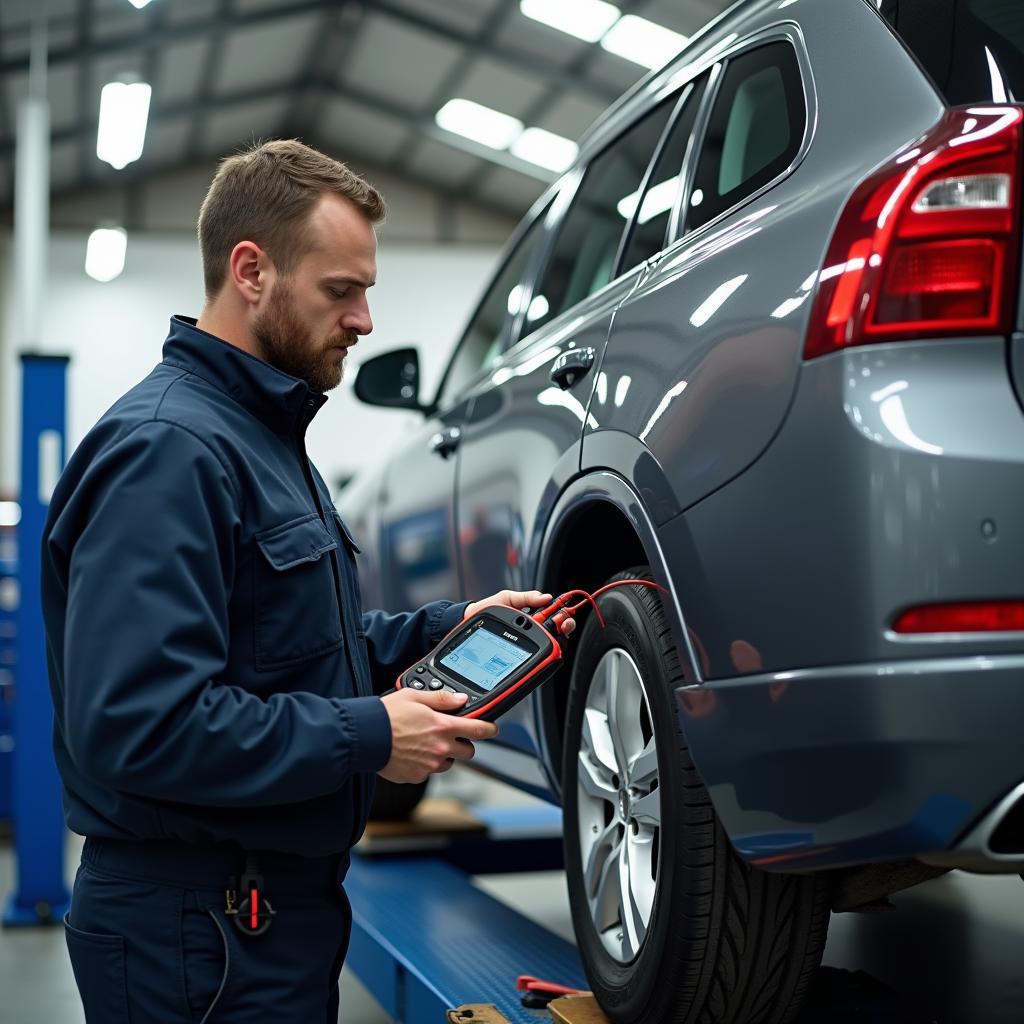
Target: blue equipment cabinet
[425, 940]
[41, 895]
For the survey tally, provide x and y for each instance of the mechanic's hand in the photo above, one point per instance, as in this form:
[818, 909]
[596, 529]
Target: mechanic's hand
[521, 599]
[424, 739]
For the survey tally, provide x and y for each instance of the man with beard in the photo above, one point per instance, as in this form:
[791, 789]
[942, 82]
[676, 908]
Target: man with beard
[215, 683]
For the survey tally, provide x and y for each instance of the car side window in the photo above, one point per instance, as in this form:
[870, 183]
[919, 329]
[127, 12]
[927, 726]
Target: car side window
[655, 209]
[583, 258]
[755, 130]
[483, 339]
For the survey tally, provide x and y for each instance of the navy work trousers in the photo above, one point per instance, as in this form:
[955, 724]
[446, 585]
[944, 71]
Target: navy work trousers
[150, 942]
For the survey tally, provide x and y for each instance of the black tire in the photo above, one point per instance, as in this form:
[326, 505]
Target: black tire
[393, 801]
[725, 943]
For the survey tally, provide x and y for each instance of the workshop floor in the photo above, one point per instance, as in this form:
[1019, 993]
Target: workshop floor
[952, 951]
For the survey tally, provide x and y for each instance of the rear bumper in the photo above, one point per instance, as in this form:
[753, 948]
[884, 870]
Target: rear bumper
[834, 766]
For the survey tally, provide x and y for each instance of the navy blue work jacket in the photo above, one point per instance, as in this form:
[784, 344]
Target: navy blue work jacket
[212, 672]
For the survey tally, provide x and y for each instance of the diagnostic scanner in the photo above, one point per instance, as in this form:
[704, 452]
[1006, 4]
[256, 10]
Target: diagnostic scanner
[497, 657]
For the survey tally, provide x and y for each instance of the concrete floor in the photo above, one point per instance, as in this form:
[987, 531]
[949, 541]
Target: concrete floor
[952, 952]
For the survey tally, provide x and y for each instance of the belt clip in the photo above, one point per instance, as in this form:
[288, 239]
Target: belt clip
[254, 915]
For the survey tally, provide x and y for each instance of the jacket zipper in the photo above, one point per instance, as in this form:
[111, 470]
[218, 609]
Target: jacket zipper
[311, 485]
[358, 783]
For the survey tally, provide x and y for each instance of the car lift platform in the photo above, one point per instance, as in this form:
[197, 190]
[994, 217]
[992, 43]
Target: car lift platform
[429, 945]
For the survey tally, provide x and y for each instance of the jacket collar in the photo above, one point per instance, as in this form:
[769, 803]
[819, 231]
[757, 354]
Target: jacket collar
[279, 400]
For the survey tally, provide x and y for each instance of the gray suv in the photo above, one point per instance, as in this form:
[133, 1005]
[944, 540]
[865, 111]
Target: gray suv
[763, 345]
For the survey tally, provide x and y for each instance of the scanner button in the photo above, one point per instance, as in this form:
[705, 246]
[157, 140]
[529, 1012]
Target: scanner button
[418, 684]
[435, 684]
[421, 668]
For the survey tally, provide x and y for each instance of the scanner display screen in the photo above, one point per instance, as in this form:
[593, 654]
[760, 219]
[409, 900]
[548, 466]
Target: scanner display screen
[485, 659]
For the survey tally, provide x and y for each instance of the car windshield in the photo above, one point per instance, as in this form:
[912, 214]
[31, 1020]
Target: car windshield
[972, 49]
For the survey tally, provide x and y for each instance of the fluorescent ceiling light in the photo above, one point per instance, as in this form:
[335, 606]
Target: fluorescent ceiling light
[538, 308]
[124, 110]
[104, 253]
[139, 4]
[514, 298]
[545, 149]
[479, 123]
[643, 42]
[585, 19]
[659, 198]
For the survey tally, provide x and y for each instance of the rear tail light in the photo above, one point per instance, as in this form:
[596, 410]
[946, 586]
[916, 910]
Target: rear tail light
[928, 245]
[972, 617]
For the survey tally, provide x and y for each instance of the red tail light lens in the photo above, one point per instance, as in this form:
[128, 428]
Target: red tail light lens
[928, 246]
[974, 617]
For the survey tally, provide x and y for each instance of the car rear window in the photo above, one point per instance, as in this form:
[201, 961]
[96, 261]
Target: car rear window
[754, 132]
[583, 256]
[972, 49]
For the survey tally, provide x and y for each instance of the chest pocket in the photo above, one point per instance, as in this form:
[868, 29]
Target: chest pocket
[296, 613]
[346, 534]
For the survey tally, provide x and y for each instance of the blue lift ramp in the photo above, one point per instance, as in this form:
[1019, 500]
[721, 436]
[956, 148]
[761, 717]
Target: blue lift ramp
[426, 940]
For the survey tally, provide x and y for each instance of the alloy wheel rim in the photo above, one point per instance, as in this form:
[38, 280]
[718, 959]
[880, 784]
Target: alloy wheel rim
[619, 805]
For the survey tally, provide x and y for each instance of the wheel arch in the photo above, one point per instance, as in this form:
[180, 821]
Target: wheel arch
[598, 526]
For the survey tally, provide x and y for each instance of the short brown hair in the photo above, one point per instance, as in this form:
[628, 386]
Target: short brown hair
[265, 195]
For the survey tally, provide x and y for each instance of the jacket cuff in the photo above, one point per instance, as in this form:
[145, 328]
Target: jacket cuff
[369, 730]
[445, 620]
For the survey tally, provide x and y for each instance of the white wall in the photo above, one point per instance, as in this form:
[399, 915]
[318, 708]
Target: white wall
[114, 332]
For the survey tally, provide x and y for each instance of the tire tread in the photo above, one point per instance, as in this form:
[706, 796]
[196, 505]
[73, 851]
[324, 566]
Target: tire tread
[745, 943]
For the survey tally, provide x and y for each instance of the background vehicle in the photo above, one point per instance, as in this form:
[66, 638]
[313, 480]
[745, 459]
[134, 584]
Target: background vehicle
[763, 344]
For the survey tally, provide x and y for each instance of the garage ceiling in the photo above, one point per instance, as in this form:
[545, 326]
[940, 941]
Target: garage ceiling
[362, 79]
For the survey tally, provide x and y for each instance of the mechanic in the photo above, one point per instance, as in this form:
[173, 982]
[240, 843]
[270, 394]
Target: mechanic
[212, 674]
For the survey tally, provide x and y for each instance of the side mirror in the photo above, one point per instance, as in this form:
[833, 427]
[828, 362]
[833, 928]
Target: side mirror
[391, 380]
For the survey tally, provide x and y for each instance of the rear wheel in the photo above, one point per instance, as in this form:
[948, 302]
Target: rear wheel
[672, 925]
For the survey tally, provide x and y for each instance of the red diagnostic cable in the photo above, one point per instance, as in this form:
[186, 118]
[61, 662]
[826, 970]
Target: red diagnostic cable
[558, 610]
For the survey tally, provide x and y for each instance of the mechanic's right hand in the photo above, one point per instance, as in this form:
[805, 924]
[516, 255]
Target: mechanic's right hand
[424, 739]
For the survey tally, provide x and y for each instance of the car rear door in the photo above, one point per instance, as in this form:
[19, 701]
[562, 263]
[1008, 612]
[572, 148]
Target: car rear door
[528, 413]
[698, 367]
[525, 424]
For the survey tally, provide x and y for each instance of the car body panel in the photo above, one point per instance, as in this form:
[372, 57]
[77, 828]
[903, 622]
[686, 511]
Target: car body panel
[909, 492]
[889, 466]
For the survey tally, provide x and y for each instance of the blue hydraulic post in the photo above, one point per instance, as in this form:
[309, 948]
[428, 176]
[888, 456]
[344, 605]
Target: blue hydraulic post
[8, 655]
[41, 895]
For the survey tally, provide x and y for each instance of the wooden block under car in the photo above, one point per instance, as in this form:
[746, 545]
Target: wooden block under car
[477, 1013]
[581, 1009]
[432, 819]
[577, 1010]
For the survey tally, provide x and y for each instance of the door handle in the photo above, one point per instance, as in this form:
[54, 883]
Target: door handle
[444, 442]
[571, 366]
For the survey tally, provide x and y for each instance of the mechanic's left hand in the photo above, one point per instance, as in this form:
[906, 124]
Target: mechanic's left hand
[520, 599]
